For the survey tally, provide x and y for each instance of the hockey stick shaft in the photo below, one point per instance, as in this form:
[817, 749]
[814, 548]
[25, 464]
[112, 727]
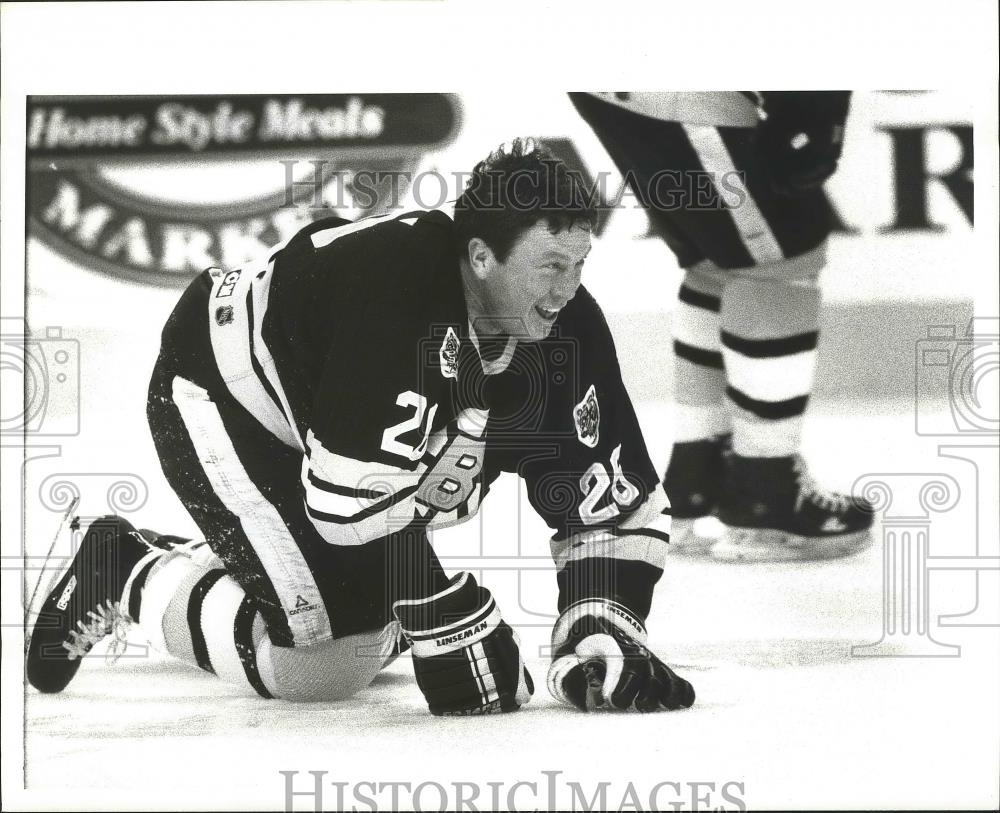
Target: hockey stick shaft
[73, 503]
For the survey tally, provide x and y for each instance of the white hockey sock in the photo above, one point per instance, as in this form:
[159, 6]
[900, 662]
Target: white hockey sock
[699, 378]
[192, 610]
[189, 608]
[770, 329]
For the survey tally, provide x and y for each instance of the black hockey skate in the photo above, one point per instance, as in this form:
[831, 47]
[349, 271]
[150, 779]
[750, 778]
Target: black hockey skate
[772, 510]
[85, 604]
[693, 483]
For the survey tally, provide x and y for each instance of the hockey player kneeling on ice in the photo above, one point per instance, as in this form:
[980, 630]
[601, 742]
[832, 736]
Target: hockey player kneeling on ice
[318, 414]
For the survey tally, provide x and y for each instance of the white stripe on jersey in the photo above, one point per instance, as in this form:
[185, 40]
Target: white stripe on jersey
[335, 515]
[264, 528]
[336, 504]
[649, 514]
[327, 498]
[349, 473]
[261, 288]
[473, 421]
[327, 236]
[355, 486]
[635, 547]
[602, 544]
[754, 230]
[230, 330]
[719, 108]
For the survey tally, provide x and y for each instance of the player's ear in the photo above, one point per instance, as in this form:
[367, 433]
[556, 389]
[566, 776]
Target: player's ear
[481, 258]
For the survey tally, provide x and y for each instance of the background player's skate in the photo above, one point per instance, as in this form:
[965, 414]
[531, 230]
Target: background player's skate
[694, 481]
[772, 510]
[757, 509]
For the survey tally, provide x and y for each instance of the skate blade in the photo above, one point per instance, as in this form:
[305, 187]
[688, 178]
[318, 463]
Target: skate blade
[768, 545]
[694, 537]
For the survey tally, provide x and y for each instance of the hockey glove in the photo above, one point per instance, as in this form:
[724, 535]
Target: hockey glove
[599, 660]
[465, 656]
[800, 140]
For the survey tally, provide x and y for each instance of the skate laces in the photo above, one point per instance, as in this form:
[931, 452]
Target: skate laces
[108, 619]
[810, 490]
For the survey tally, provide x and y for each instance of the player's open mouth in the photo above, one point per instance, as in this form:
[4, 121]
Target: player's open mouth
[547, 314]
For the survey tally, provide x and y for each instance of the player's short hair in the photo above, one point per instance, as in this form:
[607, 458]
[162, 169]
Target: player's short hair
[514, 188]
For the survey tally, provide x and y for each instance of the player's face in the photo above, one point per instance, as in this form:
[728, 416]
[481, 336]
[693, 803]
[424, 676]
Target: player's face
[524, 294]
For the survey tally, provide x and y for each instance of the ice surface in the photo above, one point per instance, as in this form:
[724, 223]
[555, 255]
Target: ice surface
[782, 706]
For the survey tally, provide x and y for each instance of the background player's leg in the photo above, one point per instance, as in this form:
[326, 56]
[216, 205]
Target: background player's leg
[773, 246]
[643, 147]
[701, 420]
[769, 332]
[699, 378]
[770, 506]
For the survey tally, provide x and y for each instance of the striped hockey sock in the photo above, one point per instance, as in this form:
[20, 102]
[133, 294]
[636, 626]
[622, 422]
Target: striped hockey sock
[187, 606]
[770, 330]
[699, 378]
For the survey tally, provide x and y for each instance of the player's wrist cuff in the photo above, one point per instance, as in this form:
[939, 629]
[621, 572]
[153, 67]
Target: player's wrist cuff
[460, 615]
[613, 612]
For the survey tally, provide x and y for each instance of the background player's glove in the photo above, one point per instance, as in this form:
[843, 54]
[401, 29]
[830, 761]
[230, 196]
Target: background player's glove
[465, 656]
[800, 140]
[599, 660]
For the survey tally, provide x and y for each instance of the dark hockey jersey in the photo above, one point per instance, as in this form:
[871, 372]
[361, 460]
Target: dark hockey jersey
[352, 345]
[734, 108]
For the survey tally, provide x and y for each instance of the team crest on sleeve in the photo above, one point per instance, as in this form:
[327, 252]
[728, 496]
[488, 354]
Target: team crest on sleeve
[449, 354]
[587, 419]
